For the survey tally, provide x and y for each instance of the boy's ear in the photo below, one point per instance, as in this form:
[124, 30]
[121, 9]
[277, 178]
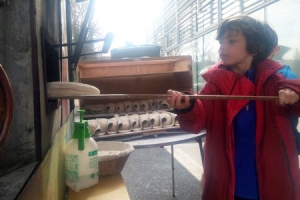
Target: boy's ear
[276, 50]
[254, 49]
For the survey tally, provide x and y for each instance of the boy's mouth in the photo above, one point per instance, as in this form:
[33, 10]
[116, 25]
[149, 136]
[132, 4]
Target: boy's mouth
[223, 56]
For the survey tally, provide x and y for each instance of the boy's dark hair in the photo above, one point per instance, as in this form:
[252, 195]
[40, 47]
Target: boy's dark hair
[257, 37]
[272, 34]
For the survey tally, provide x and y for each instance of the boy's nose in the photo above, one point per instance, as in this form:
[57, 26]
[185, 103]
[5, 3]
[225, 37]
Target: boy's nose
[221, 48]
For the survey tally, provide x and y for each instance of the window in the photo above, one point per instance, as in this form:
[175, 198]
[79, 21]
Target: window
[189, 27]
[284, 17]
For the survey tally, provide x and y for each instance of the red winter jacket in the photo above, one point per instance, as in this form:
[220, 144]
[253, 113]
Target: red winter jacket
[276, 154]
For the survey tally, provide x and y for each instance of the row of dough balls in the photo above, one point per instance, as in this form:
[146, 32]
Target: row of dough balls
[133, 122]
[127, 106]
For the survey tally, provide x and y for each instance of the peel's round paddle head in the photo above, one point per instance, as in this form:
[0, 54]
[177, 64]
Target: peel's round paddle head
[6, 106]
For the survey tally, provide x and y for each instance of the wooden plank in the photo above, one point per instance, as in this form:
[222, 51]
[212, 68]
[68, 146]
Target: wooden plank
[108, 188]
[133, 70]
[151, 60]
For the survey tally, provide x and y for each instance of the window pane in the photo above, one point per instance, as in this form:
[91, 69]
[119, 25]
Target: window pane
[211, 49]
[284, 17]
[206, 57]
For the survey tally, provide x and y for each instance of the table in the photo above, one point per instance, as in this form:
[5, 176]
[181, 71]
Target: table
[167, 139]
[109, 188]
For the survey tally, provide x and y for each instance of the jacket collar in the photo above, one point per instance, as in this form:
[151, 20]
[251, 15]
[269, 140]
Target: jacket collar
[220, 73]
[222, 76]
[230, 83]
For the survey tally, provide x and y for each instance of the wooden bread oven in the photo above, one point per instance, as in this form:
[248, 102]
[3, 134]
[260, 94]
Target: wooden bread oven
[134, 76]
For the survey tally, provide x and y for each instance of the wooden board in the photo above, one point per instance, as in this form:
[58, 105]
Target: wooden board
[134, 67]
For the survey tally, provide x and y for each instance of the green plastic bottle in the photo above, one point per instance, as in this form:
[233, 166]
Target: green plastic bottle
[81, 157]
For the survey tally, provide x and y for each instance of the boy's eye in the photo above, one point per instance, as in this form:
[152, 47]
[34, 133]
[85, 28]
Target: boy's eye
[231, 41]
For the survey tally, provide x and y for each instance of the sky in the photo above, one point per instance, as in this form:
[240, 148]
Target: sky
[129, 20]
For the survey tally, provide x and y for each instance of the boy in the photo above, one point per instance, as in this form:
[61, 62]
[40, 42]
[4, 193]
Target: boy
[288, 74]
[286, 70]
[250, 152]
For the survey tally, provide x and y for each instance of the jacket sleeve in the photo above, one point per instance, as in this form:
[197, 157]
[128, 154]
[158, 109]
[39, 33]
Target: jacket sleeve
[194, 120]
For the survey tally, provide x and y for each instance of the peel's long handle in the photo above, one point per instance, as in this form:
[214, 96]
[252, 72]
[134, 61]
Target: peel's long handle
[233, 97]
[156, 96]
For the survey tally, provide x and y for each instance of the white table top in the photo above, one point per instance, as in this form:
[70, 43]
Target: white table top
[165, 140]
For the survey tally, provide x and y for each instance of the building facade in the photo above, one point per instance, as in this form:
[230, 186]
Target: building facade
[188, 27]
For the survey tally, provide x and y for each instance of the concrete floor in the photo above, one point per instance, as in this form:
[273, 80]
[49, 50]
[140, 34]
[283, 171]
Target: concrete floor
[148, 173]
[188, 154]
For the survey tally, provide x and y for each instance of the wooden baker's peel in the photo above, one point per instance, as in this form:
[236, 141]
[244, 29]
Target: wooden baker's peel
[156, 96]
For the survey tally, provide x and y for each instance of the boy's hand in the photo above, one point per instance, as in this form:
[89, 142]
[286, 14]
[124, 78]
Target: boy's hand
[287, 96]
[178, 100]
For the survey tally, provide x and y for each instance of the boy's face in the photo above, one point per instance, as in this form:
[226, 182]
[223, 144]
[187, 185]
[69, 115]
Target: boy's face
[233, 51]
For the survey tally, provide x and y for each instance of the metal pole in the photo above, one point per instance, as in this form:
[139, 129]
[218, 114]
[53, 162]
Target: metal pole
[201, 150]
[173, 169]
[83, 33]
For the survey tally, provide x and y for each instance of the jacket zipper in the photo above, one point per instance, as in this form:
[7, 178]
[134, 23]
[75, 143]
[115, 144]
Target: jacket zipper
[232, 178]
[257, 150]
[232, 145]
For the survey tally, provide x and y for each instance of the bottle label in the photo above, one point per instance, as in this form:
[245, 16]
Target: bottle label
[92, 153]
[93, 160]
[71, 171]
[72, 165]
